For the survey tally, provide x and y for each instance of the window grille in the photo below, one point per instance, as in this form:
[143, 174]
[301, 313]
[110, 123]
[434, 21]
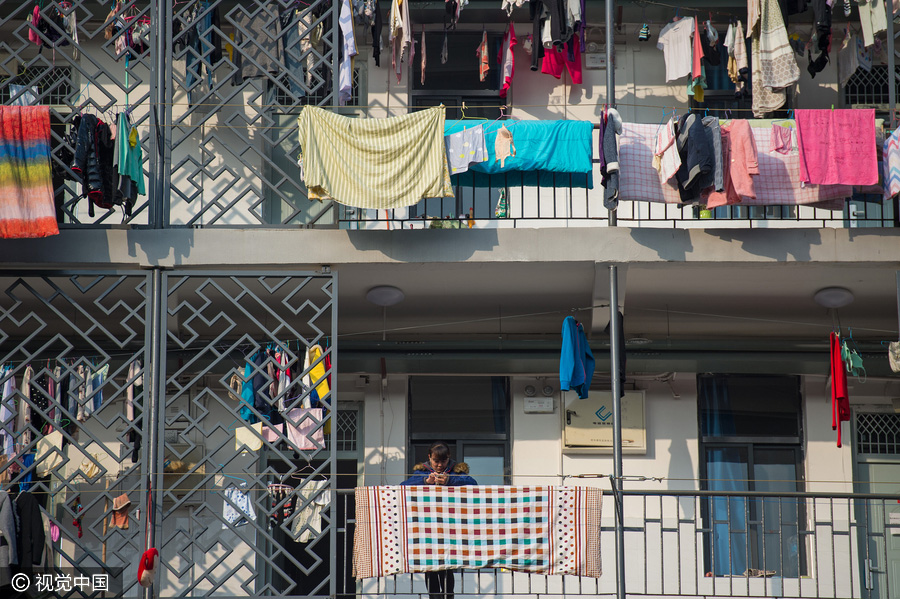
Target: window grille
[878, 433]
[869, 88]
[54, 85]
[347, 430]
[319, 95]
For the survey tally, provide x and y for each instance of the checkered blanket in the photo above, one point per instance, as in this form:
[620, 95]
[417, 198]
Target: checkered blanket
[545, 530]
[778, 182]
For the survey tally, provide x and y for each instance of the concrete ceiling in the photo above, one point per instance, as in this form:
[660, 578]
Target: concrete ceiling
[661, 301]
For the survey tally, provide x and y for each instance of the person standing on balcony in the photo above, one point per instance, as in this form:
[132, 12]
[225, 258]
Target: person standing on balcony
[440, 469]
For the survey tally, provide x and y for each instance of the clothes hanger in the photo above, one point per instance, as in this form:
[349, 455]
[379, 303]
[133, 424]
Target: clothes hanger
[243, 481]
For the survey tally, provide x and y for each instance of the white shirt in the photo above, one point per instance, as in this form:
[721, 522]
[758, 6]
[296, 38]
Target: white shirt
[675, 42]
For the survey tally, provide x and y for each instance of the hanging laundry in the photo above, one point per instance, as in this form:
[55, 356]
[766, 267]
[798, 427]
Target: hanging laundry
[312, 498]
[873, 19]
[697, 160]
[135, 383]
[741, 62]
[119, 516]
[781, 139]
[675, 42]
[237, 509]
[552, 146]
[424, 60]
[666, 159]
[10, 555]
[257, 43]
[848, 59]
[890, 162]
[444, 52]
[92, 161]
[507, 59]
[302, 428]
[464, 148]
[555, 58]
[504, 146]
[840, 399]
[775, 184]
[576, 361]
[349, 51]
[571, 527]
[400, 33]
[837, 147]
[374, 163]
[740, 156]
[22, 95]
[8, 414]
[129, 161]
[611, 159]
[26, 188]
[774, 65]
[482, 53]
[23, 420]
[863, 55]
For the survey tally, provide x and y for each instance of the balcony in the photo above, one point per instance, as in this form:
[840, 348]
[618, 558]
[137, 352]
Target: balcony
[215, 115]
[698, 543]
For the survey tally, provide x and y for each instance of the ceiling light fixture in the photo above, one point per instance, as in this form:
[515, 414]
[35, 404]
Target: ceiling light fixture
[833, 297]
[385, 295]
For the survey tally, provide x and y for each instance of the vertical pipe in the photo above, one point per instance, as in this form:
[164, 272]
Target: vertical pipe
[614, 350]
[151, 414]
[891, 60]
[160, 113]
[333, 564]
[610, 6]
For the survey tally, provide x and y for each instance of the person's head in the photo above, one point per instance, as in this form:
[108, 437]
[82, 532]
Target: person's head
[439, 456]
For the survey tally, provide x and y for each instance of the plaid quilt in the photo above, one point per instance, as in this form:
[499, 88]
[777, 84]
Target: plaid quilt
[545, 530]
[778, 182]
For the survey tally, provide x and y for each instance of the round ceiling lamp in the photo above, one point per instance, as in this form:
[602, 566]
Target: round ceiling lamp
[833, 297]
[385, 295]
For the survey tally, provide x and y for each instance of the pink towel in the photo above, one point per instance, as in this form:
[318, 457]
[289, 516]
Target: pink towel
[300, 424]
[837, 147]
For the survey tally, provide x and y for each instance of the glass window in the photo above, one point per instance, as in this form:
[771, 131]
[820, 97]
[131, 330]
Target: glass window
[751, 443]
[470, 414]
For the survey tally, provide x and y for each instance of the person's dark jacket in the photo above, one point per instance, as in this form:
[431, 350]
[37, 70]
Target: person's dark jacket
[459, 474]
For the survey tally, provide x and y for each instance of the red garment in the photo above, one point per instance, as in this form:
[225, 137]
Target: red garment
[555, 58]
[741, 163]
[840, 400]
[328, 368]
[696, 66]
[507, 59]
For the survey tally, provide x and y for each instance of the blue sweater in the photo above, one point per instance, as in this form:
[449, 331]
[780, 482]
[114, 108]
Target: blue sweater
[459, 475]
[576, 361]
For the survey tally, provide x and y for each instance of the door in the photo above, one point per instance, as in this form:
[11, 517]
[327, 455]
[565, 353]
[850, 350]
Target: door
[883, 536]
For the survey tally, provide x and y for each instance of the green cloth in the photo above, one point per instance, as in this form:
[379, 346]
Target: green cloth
[131, 157]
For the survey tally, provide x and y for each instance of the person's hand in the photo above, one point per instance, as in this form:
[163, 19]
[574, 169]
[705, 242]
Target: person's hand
[431, 480]
[442, 479]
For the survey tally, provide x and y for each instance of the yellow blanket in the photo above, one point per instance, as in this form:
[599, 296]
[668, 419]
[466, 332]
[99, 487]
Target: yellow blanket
[374, 163]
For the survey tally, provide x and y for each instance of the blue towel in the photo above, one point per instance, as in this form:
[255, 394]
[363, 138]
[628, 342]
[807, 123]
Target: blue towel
[548, 153]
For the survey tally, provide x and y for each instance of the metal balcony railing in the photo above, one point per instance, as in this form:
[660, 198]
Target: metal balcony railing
[214, 88]
[701, 543]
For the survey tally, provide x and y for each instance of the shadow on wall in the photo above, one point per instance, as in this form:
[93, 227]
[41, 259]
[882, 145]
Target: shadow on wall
[669, 244]
[166, 245]
[424, 245]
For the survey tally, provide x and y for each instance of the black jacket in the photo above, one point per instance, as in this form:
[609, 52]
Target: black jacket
[31, 532]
